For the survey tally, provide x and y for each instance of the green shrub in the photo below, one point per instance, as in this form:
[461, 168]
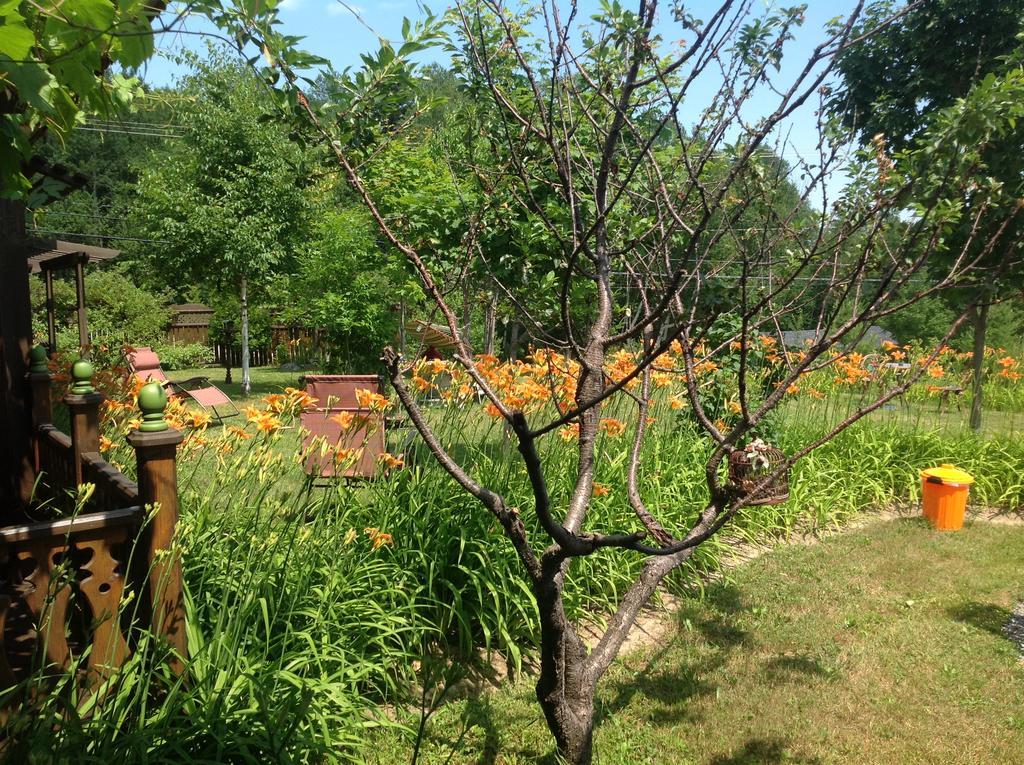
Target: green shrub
[119, 312]
[185, 356]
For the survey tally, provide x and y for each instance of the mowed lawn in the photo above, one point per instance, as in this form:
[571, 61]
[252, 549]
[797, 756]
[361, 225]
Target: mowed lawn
[878, 645]
[264, 380]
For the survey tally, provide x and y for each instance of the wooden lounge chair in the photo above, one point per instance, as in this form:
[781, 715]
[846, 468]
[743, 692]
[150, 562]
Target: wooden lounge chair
[145, 364]
[335, 395]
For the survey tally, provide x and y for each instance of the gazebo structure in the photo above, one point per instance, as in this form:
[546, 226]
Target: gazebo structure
[429, 335]
[47, 257]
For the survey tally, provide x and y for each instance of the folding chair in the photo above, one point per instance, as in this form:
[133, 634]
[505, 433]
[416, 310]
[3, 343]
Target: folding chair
[146, 365]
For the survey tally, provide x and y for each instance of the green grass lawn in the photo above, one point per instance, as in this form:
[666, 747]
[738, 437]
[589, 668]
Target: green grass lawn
[264, 380]
[880, 645]
[909, 415]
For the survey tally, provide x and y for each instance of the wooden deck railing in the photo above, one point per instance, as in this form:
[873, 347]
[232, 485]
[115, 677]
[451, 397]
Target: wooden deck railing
[64, 582]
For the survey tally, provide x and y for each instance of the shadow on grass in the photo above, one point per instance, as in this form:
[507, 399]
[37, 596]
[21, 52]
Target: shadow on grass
[673, 687]
[762, 751]
[795, 668]
[984, 616]
[479, 714]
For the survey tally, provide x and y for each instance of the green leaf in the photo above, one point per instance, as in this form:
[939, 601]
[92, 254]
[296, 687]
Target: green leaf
[33, 83]
[16, 39]
[137, 46]
[94, 15]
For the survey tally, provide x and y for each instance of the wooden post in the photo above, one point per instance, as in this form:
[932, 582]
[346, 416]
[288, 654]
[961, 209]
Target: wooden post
[84, 403]
[51, 311]
[83, 318]
[17, 477]
[39, 379]
[155, 446]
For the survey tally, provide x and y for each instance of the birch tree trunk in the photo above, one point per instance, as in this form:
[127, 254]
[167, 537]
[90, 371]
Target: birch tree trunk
[490, 319]
[978, 364]
[243, 293]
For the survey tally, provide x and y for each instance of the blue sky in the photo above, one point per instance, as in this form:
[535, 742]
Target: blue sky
[340, 31]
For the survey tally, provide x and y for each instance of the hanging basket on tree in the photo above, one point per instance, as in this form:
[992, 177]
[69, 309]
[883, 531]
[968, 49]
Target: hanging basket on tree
[748, 467]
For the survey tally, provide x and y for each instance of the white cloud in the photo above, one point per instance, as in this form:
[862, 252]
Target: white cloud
[289, 5]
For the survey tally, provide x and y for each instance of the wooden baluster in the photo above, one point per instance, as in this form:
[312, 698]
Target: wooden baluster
[155, 446]
[7, 678]
[42, 407]
[84, 403]
[103, 588]
[48, 596]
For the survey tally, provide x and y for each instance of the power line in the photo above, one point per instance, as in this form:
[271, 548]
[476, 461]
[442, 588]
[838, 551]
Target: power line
[80, 215]
[98, 236]
[87, 129]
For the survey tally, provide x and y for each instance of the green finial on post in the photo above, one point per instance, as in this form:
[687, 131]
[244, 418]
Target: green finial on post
[38, 360]
[152, 402]
[81, 376]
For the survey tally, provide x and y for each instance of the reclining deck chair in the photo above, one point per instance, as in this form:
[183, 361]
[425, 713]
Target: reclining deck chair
[146, 365]
[334, 395]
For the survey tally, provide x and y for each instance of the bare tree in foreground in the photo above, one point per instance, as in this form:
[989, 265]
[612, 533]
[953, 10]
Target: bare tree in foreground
[674, 226]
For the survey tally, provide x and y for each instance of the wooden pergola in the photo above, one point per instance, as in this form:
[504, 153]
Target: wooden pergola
[46, 257]
[428, 334]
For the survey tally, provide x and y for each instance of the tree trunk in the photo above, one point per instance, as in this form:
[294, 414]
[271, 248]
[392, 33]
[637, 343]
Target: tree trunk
[490, 322]
[978, 364]
[513, 341]
[467, 310]
[564, 689]
[243, 291]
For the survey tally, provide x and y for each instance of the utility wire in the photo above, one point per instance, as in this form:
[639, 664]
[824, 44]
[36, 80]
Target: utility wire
[98, 236]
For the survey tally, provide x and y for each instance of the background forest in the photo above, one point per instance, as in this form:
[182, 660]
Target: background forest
[202, 192]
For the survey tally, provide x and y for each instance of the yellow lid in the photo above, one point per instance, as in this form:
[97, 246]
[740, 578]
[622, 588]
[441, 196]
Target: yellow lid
[949, 474]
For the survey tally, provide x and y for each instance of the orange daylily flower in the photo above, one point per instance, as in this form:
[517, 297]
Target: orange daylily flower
[375, 402]
[389, 460]
[612, 426]
[343, 419]
[570, 431]
[239, 433]
[378, 538]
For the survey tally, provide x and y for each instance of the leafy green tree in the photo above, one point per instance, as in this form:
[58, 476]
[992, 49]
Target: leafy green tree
[53, 57]
[349, 286]
[227, 203]
[905, 74]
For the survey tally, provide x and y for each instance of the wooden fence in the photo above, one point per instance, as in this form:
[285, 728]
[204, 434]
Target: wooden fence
[190, 324]
[231, 356]
[288, 343]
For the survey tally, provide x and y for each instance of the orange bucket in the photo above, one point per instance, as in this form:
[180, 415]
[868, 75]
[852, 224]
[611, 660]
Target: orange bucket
[944, 492]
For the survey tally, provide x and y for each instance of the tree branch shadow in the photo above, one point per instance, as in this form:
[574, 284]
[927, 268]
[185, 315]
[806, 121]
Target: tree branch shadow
[762, 751]
[676, 686]
[989, 617]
